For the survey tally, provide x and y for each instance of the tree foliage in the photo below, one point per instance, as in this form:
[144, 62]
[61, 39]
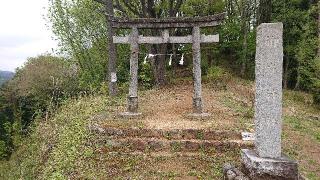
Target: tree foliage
[80, 30]
[36, 90]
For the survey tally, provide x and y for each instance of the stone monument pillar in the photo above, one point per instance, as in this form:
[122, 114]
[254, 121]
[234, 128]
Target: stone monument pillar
[267, 160]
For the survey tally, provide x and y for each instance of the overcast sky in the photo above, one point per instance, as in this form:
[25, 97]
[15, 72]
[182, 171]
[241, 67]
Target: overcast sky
[23, 32]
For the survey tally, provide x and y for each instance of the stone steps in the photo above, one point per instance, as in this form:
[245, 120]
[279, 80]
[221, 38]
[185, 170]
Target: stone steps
[133, 144]
[158, 154]
[173, 134]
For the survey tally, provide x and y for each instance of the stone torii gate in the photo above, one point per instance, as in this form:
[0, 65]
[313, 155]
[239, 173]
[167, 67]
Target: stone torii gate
[134, 39]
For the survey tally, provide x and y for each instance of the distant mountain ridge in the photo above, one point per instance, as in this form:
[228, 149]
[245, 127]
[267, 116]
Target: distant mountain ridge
[5, 76]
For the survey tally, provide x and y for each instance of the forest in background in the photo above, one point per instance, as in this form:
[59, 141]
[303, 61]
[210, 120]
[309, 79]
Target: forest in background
[46, 81]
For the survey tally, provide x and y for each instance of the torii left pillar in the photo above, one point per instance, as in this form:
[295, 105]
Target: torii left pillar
[132, 106]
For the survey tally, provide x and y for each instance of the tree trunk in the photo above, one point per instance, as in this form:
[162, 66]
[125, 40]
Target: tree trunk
[245, 29]
[255, 5]
[318, 52]
[174, 60]
[112, 70]
[210, 57]
[158, 64]
[244, 54]
[264, 11]
[297, 85]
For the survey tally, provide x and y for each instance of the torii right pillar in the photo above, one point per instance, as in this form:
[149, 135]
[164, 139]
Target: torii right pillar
[197, 97]
[267, 161]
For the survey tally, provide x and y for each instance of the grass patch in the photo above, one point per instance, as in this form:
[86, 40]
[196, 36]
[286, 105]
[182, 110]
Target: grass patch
[304, 125]
[56, 147]
[244, 113]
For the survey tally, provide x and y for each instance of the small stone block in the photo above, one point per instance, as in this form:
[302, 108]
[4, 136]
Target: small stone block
[259, 168]
[247, 136]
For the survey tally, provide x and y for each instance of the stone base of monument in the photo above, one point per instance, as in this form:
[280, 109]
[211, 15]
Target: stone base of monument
[258, 168]
[199, 116]
[130, 115]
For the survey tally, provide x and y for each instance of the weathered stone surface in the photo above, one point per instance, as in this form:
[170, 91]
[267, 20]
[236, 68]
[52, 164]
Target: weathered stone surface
[165, 40]
[197, 98]
[138, 144]
[197, 101]
[132, 105]
[230, 172]
[192, 145]
[96, 129]
[172, 134]
[134, 47]
[259, 168]
[172, 22]
[153, 144]
[268, 101]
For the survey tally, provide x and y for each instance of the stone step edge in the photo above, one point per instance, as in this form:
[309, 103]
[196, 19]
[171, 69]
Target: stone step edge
[153, 144]
[165, 154]
[205, 134]
[147, 139]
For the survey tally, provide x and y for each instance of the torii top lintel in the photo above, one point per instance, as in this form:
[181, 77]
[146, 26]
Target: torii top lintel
[163, 23]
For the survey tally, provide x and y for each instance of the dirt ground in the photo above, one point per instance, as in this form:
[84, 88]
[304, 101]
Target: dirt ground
[168, 107]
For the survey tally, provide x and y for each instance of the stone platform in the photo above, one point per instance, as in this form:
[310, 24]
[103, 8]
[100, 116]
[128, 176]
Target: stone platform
[269, 168]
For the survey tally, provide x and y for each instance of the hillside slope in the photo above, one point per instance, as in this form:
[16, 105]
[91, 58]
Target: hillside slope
[87, 140]
[5, 76]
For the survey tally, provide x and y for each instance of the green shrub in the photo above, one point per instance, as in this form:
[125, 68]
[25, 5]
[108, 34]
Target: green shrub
[316, 98]
[216, 73]
[56, 147]
[218, 76]
[146, 76]
[3, 150]
[316, 88]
